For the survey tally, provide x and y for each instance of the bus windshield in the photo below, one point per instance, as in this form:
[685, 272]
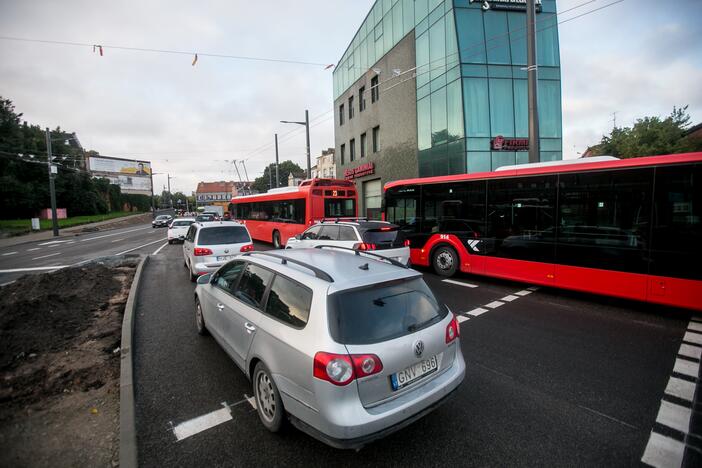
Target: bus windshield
[339, 208]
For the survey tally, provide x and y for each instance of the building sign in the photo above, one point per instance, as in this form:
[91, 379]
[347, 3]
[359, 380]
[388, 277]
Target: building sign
[221, 196]
[509, 5]
[121, 166]
[500, 143]
[360, 171]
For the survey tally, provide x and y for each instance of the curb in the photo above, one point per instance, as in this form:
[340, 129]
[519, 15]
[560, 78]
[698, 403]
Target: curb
[127, 421]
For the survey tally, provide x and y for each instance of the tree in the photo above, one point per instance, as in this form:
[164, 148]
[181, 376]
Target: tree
[650, 136]
[261, 184]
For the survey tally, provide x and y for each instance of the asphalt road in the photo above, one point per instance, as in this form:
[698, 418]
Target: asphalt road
[47, 255]
[553, 379]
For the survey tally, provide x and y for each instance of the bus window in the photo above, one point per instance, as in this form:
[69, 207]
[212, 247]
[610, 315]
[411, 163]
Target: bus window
[339, 208]
[401, 208]
[457, 208]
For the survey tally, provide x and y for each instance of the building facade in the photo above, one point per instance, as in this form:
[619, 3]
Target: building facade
[325, 166]
[219, 193]
[438, 87]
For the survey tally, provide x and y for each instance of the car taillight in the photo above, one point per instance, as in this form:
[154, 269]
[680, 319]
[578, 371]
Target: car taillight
[452, 330]
[407, 243]
[201, 251]
[364, 246]
[342, 369]
[246, 248]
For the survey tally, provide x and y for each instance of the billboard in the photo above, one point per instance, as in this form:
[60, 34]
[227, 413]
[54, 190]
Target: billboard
[131, 184]
[121, 166]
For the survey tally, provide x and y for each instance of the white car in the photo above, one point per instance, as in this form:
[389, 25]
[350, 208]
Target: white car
[178, 229]
[380, 237]
[209, 245]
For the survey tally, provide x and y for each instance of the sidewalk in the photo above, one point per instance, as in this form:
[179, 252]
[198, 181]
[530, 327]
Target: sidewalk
[75, 230]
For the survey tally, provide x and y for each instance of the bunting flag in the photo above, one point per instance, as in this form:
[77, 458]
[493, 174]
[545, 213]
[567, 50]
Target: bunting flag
[98, 47]
[194, 60]
[329, 66]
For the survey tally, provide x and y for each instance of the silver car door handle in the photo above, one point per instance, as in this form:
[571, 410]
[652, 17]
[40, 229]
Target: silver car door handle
[220, 306]
[249, 327]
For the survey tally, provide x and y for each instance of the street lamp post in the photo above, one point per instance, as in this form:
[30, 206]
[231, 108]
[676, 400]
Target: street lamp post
[52, 187]
[306, 123]
[532, 81]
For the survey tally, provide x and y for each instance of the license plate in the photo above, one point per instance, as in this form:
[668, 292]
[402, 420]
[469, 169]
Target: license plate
[415, 372]
[224, 258]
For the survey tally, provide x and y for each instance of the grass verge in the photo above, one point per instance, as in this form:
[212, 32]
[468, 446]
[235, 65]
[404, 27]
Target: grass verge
[14, 227]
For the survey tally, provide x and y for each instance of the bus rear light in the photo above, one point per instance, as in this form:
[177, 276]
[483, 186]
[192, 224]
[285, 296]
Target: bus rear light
[201, 251]
[246, 248]
[364, 246]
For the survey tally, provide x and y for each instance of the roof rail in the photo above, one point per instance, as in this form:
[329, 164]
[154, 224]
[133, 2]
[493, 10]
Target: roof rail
[363, 252]
[342, 218]
[321, 274]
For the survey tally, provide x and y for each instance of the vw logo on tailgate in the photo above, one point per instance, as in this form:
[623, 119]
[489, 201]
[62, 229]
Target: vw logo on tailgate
[226, 250]
[418, 348]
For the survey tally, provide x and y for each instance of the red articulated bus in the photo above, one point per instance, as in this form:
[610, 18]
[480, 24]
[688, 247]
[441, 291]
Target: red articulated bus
[281, 213]
[628, 228]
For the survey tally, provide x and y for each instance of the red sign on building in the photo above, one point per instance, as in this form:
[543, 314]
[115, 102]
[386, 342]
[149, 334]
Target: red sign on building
[500, 143]
[360, 171]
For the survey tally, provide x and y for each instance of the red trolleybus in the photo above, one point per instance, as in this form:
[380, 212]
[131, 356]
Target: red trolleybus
[281, 213]
[627, 228]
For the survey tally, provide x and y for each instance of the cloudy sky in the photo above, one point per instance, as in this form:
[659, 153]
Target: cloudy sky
[636, 58]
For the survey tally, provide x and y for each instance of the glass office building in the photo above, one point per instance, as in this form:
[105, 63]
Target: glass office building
[470, 83]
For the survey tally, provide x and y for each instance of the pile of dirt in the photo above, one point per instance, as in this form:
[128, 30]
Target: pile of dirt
[60, 363]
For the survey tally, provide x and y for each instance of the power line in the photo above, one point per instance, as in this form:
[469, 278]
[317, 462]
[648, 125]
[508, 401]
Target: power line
[164, 51]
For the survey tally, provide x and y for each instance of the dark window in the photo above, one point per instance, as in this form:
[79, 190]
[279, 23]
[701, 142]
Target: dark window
[362, 99]
[383, 312]
[289, 302]
[341, 114]
[190, 236]
[457, 208]
[604, 219]
[363, 145]
[339, 208]
[329, 233]
[347, 233]
[375, 91]
[350, 107]
[343, 154]
[223, 235]
[376, 139]
[521, 218]
[283, 211]
[676, 248]
[401, 208]
[312, 233]
[385, 237]
[352, 149]
[253, 284]
[227, 276]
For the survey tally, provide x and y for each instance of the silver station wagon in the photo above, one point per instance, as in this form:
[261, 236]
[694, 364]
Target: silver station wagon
[348, 346]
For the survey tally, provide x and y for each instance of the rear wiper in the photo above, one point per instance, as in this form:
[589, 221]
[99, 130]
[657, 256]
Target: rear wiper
[378, 302]
[417, 326]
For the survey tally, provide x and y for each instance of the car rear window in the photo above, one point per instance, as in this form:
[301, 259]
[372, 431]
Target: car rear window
[181, 223]
[383, 312]
[223, 235]
[384, 236]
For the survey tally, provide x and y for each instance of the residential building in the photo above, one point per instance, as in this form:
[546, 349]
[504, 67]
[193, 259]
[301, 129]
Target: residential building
[325, 167]
[220, 193]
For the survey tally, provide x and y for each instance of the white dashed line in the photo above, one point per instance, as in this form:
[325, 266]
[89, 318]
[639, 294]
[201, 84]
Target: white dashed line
[477, 311]
[494, 304]
[694, 326]
[202, 423]
[139, 247]
[683, 389]
[460, 283]
[691, 337]
[663, 452]
[46, 256]
[509, 298]
[159, 249]
[523, 293]
[532, 288]
[32, 250]
[685, 367]
[462, 318]
[690, 351]
[53, 242]
[674, 416]
[8, 253]
[117, 240]
[19, 270]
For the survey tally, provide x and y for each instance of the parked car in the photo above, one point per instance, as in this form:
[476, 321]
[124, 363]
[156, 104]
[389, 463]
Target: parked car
[209, 245]
[381, 237]
[202, 218]
[346, 345]
[178, 229]
[161, 221]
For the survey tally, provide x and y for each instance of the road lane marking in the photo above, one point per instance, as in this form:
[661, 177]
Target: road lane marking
[159, 249]
[20, 270]
[685, 367]
[251, 400]
[494, 304]
[509, 298]
[137, 248]
[460, 283]
[462, 318]
[202, 423]
[691, 337]
[32, 250]
[674, 416]
[54, 242]
[46, 256]
[8, 253]
[532, 288]
[696, 319]
[695, 327]
[118, 240]
[113, 234]
[477, 311]
[680, 388]
[523, 293]
[690, 351]
[663, 452]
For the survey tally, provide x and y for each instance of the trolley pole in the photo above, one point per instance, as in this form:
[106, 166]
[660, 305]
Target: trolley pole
[307, 127]
[532, 83]
[277, 175]
[52, 188]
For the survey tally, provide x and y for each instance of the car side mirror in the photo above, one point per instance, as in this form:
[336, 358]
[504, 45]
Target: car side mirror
[204, 279]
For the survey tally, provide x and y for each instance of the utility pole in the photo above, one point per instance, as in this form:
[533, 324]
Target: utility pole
[270, 177]
[533, 77]
[307, 127]
[52, 188]
[614, 119]
[170, 198]
[153, 210]
[277, 175]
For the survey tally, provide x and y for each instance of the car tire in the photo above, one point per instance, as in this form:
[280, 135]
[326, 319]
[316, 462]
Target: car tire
[268, 402]
[193, 278]
[170, 241]
[200, 319]
[444, 260]
[276, 240]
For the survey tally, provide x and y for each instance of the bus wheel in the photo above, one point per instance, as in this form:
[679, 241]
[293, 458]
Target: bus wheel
[445, 261]
[276, 240]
